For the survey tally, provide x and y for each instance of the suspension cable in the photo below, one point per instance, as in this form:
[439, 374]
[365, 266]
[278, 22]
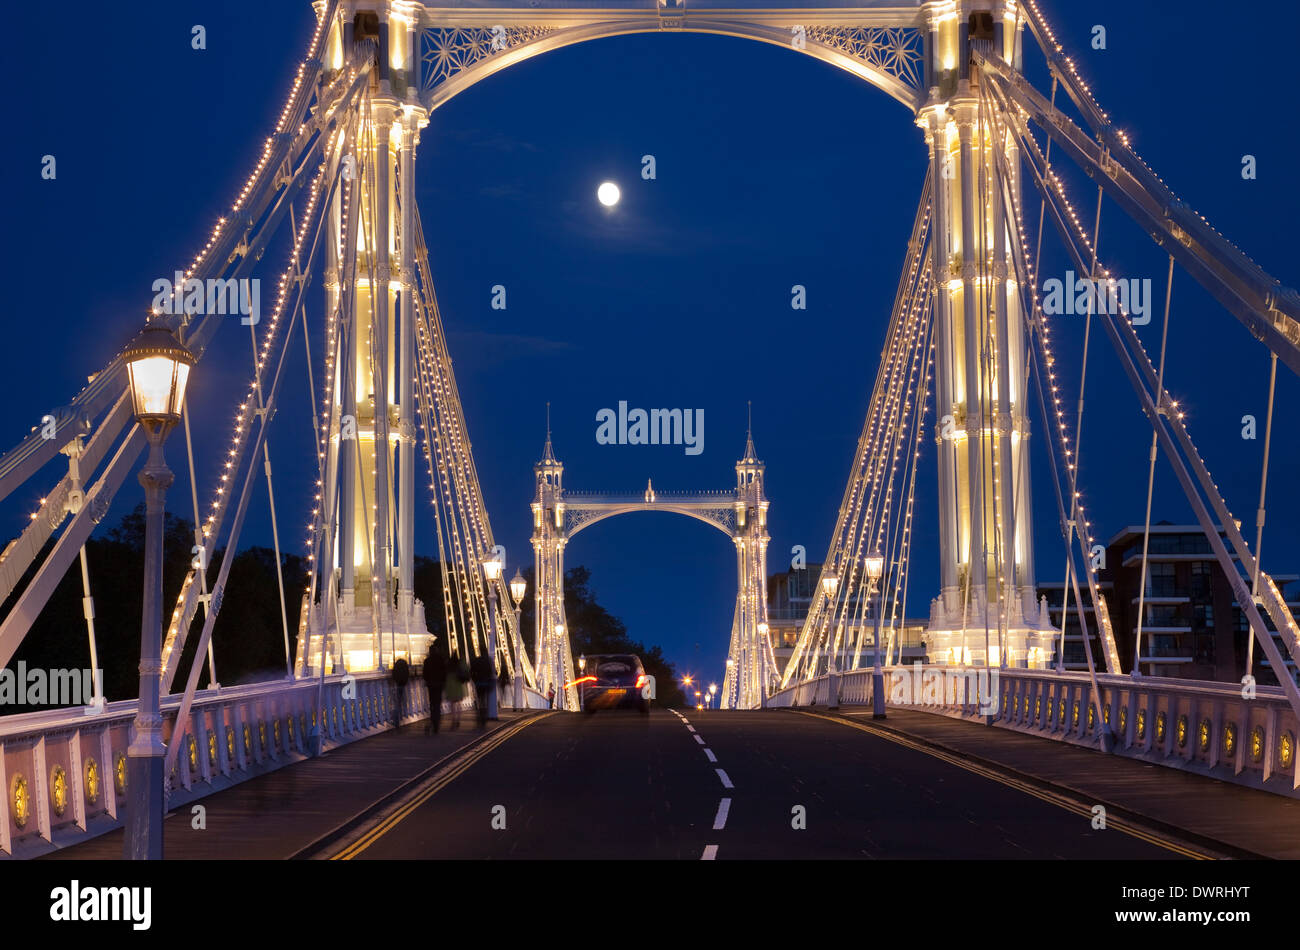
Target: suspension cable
[1151, 483]
[1259, 514]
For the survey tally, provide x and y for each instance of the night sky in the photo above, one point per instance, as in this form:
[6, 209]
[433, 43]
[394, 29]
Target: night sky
[773, 169]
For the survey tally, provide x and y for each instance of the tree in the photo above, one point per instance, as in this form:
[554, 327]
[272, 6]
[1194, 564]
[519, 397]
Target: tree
[593, 630]
[247, 638]
[248, 635]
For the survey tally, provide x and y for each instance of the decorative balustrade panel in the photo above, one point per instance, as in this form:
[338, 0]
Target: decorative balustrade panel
[64, 773]
[1189, 724]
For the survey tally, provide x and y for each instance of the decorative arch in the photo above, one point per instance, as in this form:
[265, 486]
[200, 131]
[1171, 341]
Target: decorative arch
[890, 57]
[716, 509]
[740, 513]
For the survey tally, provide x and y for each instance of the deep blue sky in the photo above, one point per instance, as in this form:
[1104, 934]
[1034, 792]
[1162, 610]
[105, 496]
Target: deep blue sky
[773, 169]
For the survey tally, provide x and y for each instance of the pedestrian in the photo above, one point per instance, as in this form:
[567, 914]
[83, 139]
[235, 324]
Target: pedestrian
[435, 678]
[550, 696]
[503, 686]
[457, 677]
[401, 676]
[484, 680]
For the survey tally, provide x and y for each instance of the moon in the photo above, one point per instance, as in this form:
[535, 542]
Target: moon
[608, 194]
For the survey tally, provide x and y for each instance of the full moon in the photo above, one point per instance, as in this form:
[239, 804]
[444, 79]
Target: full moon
[608, 194]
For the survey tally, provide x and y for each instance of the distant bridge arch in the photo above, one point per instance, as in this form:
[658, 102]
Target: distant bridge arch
[739, 513]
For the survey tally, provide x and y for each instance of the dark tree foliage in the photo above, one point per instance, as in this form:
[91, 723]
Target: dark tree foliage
[427, 581]
[593, 631]
[248, 636]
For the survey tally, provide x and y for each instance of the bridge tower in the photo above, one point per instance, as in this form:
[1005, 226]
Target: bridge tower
[369, 285]
[554, 660]
[750, 662]
[987, 593]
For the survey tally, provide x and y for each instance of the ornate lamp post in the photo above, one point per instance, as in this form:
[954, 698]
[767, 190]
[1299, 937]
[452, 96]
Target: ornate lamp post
[582, 671]
[492, 571]
[830, 584]
[713, 693]
[158, 367]
[763, 629]
[875, 569]
[518, 587]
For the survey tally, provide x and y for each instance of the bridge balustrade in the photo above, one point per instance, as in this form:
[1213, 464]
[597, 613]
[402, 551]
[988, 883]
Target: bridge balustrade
[63, 773]
[1198, 726]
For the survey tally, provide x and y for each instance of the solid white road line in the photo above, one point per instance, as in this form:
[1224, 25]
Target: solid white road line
[710, 852]
[720, 821]
[709, 753]
[726, 782]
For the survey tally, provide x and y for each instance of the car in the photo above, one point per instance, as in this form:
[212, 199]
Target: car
[614, 681]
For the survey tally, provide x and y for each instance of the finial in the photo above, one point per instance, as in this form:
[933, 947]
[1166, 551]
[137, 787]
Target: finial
[749, 435]
[548, 453]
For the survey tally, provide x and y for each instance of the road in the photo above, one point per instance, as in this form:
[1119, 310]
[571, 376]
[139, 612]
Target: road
[730, 785]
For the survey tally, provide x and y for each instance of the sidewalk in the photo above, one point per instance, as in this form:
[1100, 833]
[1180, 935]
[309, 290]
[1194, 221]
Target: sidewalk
[1242, 818]
[276, 815]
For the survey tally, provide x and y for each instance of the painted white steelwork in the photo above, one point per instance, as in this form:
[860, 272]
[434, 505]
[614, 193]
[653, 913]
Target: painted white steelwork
[741, 514]
[1184, 724]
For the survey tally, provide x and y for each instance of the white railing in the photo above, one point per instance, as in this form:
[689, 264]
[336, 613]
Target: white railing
[63, 772]
[532, 699]
[1188, 724]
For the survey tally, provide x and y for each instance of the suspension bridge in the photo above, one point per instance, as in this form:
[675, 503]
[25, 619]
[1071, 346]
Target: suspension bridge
[967, 374]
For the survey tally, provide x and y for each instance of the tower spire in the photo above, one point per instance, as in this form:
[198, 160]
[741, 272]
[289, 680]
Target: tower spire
[749, 435]
[548, 454]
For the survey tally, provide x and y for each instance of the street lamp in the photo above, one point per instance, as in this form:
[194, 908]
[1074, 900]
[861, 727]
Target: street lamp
[713, 694]
[518, 587]
[830, 584]
[875, 570]
[158, 367]
[492, 571]
[582, 669]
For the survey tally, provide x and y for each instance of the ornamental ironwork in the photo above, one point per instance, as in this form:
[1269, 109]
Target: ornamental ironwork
[92, 781]
[59, 790]
[892, 50]
[21, 799]
[446, 52]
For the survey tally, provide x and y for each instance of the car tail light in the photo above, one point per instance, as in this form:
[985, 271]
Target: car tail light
[640, 681]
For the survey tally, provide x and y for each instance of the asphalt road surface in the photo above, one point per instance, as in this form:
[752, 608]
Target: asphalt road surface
[733, 785]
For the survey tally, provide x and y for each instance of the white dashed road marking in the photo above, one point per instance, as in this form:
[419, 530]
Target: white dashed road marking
[700, 740]
[720, 821]
[709, 753]
[710, 852]
[726, 782]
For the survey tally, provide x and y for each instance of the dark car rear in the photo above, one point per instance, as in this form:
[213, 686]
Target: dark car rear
[613, 681]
